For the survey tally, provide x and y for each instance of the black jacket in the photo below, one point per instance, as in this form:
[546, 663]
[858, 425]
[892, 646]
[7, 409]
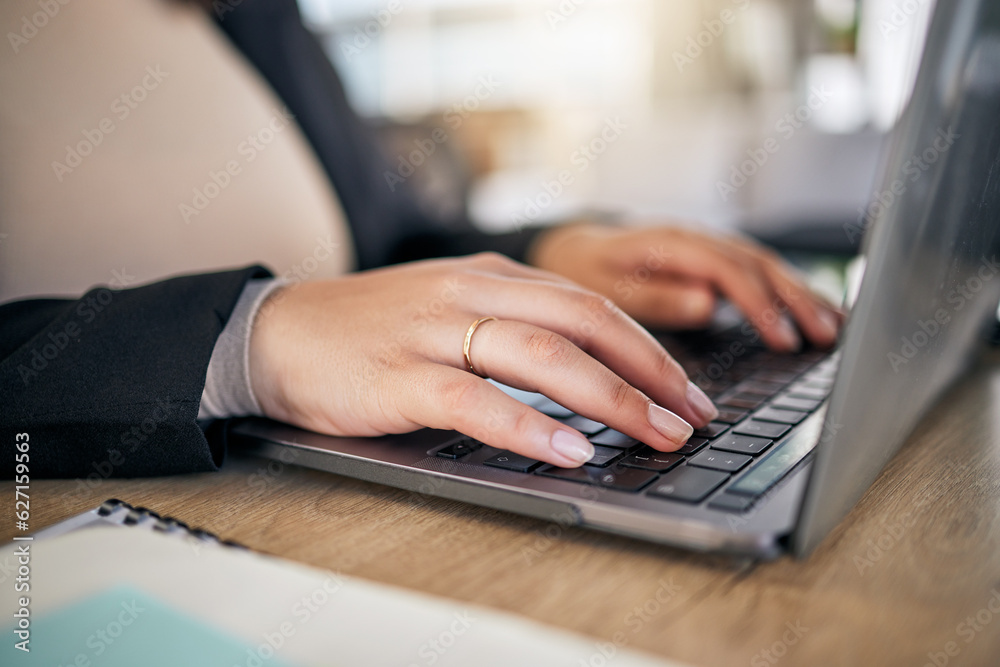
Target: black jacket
[110, 384]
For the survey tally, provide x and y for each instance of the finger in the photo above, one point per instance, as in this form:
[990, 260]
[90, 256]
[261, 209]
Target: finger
[672, 303]
[535, 359]
[818, 319]
[744, 285]
[458, 400]
[596, 325]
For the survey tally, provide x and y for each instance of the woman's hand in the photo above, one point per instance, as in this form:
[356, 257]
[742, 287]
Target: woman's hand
[381, 352]
[670, 277]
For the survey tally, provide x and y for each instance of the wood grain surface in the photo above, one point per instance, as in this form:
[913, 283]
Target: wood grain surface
[907, 579]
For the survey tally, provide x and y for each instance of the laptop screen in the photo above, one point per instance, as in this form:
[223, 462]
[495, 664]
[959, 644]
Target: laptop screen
[932, 279]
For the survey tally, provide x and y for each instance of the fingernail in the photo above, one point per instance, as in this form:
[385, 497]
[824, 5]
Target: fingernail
[574, 447]
[829, 323]
[700, 403]
[668, 424]
[787, 335]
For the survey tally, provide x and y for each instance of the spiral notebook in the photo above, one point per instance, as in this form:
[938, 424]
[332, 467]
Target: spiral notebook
[121, 585]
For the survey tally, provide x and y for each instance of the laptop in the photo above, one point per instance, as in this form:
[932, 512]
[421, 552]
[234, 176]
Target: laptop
[799, 438]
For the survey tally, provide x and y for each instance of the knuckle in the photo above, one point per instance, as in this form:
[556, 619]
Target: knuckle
[667, 366]
[459, 396]
[522, 424]
[621, 395]
[698, 311]
[547, 347]
[491, 259]
[598, 307]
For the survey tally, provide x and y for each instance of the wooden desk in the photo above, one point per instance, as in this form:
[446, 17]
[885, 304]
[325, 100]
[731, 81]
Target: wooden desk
[897, 580]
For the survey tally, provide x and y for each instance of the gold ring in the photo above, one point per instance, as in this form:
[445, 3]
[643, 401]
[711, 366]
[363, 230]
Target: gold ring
[468, 342]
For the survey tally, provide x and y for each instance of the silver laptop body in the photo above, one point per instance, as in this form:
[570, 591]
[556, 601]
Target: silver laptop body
[928, 298]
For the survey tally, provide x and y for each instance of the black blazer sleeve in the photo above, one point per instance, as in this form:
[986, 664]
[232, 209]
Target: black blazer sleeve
[387, 224]
[110, 384]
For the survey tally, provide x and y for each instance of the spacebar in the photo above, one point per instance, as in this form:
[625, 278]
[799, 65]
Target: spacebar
[780, 460]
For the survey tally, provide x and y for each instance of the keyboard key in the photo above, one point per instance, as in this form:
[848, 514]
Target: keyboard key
[612, 438]
[758, 388]
[817, 382]
[773, 466]
[549, 407]
[688, 484]
[799, 390]
[711, 430]
[744, 401]
[603, 456]
[459, 449]
[512, 461]
[728, 502]
[731, 415]
[584, 425]
[797, 364]
[780, 377]
[780, 416]
[691, 446]
[762, 429]
[717, 460]
[793, 403]
[620, 479]
[742, 444]
[823, 372]
[652, 460]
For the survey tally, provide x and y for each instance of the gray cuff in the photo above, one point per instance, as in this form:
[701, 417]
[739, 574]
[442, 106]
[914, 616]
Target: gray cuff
[227, 386]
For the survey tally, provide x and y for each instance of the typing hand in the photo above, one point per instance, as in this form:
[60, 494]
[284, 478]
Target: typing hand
[670, 277]
[382, 352]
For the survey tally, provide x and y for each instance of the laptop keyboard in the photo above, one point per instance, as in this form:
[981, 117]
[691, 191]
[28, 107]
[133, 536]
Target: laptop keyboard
[730, 463]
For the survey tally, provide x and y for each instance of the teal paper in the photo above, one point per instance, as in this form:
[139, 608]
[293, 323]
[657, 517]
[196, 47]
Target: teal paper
[125, 627]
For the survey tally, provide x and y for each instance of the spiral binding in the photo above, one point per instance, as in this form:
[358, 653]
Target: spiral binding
[117, 511]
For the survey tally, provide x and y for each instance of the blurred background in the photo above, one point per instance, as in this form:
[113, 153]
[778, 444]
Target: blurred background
[762, 115]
